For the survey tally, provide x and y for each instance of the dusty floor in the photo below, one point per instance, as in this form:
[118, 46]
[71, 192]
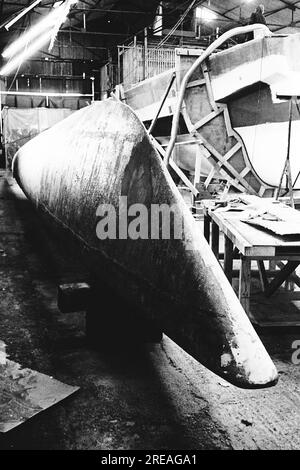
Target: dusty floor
[147, 397]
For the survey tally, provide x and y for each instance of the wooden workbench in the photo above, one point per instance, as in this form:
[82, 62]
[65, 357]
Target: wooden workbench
[250, 243]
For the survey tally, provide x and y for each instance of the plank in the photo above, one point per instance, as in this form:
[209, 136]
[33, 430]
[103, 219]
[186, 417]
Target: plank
[207, 119]
[245, 172]
[209, 178]
[73, 297]
[195, 83]
[232, 152]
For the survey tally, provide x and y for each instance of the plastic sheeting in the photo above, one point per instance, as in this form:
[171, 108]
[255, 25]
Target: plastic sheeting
[21, 125]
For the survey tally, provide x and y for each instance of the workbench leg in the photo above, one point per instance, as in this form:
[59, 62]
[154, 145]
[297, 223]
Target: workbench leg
[228, 258]
[207, 228]
[262, 275]
[215, 235]
[245, 283]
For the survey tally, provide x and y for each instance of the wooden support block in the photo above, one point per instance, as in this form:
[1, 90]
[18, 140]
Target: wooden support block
[245, 283]
[215, 235]
[207, 119]
[228, 258]
[109, 319]
[113, 323]
[73, 297]
[282, 276]
[207, 228]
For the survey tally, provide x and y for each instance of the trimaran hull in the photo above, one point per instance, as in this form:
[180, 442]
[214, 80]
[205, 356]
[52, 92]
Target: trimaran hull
[102, 153]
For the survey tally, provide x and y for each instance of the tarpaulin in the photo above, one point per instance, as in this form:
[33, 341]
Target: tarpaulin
[21, 125]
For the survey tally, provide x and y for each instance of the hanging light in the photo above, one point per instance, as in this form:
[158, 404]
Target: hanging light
[25, 39]
[31, 41]
[21, 14]
[29, 51]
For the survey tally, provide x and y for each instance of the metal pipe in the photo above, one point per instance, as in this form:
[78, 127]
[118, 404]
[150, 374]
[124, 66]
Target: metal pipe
[217, 43]
[29, 93]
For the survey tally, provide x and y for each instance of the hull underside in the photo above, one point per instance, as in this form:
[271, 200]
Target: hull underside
[101, 154]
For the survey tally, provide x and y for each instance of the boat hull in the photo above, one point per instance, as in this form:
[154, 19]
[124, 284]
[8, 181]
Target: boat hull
[231, 105]
[102, 155]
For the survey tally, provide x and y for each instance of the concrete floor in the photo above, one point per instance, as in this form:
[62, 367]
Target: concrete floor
[143, 397]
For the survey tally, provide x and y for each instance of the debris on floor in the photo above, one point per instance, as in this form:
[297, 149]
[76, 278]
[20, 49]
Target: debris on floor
[25, 392]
